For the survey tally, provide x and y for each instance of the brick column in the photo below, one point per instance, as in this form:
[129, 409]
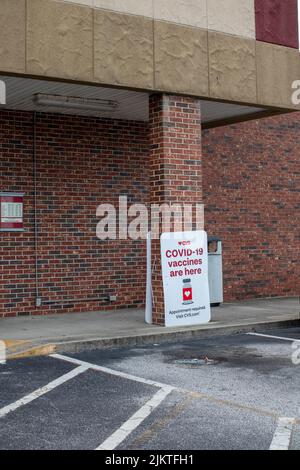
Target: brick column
[176, 167]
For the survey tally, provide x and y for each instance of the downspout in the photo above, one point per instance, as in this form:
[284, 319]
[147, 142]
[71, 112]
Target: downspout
[38, 300]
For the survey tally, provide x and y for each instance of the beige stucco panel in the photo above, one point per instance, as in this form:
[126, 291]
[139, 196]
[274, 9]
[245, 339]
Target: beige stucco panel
[232, 16]
[181, 59]
[59, 39]
[123, 49]
[12, 36]
[135, 7]
[232, 68]
[188, 12]
[277, 68]
[89, 3]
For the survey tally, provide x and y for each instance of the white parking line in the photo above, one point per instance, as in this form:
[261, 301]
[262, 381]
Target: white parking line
[136, 419]
[106, 370]
[281, 439]
[274, 337]
[283, 434]
[41, 391]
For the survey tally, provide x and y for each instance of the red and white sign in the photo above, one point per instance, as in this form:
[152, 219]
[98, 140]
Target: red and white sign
[184, 258]
[11, 211]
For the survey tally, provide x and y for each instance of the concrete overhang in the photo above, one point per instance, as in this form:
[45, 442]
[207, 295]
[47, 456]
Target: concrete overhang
[194, 48]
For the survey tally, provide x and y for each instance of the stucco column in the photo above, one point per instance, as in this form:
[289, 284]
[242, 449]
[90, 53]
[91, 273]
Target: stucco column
[176, 167]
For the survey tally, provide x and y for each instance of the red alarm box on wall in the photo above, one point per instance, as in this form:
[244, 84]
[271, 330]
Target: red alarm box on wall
[11, 212]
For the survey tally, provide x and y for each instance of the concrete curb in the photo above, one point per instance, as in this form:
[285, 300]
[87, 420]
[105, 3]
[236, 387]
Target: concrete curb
[107, 343]
[41, 350]
[78, 346]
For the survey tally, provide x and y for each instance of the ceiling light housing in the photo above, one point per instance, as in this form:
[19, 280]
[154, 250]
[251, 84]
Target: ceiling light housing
[75, 102]
[2, 92]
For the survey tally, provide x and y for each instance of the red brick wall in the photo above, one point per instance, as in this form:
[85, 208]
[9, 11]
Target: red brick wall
[252, 196]
[81, 163]
[251, 185]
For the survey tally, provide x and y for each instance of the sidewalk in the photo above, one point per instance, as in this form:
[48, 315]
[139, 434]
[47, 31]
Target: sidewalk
[37, 335]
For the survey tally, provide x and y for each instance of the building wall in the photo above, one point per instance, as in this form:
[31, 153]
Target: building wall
[273, 21]
[252, 196]
[236, 50]
[81, 163]
[277, 22]
[251, 184]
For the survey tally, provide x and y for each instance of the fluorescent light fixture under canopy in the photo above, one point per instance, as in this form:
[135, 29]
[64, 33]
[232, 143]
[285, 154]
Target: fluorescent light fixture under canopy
[75, 102]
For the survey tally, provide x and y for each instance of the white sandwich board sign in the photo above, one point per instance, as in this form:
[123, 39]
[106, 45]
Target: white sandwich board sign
[184, 260]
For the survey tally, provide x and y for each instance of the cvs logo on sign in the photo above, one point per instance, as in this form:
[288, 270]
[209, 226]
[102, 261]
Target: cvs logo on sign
[185, 243]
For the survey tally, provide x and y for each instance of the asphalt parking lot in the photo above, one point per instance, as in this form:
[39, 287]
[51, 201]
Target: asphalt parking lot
[228, 392]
